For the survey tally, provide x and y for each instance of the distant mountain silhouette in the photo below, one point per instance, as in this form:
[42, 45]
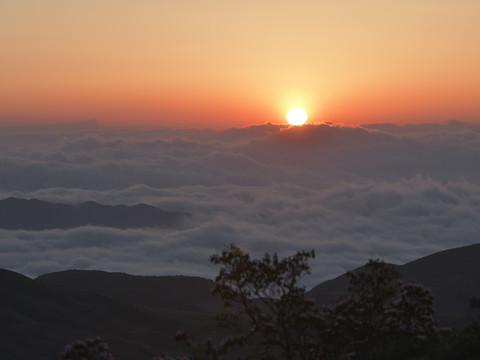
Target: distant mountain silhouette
[36, 214]
[452, 276]
[138, 315]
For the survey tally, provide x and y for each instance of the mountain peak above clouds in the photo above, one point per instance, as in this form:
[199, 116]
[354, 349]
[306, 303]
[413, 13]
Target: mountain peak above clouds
[35, 214]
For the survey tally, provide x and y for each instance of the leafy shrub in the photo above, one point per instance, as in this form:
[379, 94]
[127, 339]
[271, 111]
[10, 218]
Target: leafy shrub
[89, 349]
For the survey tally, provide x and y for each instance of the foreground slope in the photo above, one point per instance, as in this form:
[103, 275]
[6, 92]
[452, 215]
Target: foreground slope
[451, 275]
[138, 315]
[138, 321]
[184, 293]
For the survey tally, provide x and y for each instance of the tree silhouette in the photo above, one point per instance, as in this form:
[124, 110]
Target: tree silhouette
[264, 301]
[381, 317]
[267, 315]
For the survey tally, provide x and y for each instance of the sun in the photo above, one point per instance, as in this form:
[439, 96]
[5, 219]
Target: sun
[296, 116]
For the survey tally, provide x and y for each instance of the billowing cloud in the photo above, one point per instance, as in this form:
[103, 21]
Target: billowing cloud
[349, 193]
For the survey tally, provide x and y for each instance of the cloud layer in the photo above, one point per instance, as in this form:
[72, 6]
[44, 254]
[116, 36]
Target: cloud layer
[392, 192]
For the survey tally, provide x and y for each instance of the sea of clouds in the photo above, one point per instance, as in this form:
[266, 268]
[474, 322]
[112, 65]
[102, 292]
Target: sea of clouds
[351, 193]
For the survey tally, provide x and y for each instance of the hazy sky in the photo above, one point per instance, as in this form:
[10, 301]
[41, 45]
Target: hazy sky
[217, 63]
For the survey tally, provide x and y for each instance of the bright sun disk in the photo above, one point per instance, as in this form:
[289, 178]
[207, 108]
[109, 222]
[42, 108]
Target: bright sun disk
[296, 116]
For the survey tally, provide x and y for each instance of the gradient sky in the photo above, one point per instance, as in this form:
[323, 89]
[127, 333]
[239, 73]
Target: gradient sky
[189, 63]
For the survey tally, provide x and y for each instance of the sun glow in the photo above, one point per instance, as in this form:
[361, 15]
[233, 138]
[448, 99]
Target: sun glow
[296, 116]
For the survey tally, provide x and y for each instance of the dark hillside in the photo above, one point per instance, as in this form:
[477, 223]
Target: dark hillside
[38, 319]
[138, 315]
[160, 292]
[452, 276]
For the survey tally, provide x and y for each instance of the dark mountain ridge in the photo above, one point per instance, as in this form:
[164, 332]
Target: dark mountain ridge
[35, 214]
[138, 315]
[39, 317]
[451, 275]
[160, 292]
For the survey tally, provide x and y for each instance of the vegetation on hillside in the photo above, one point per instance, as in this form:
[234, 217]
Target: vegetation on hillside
[267, 315]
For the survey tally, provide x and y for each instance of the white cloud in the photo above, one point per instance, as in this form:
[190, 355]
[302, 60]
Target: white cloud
[350, 193]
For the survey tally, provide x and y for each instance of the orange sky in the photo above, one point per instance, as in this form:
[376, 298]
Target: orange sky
[190, 63]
